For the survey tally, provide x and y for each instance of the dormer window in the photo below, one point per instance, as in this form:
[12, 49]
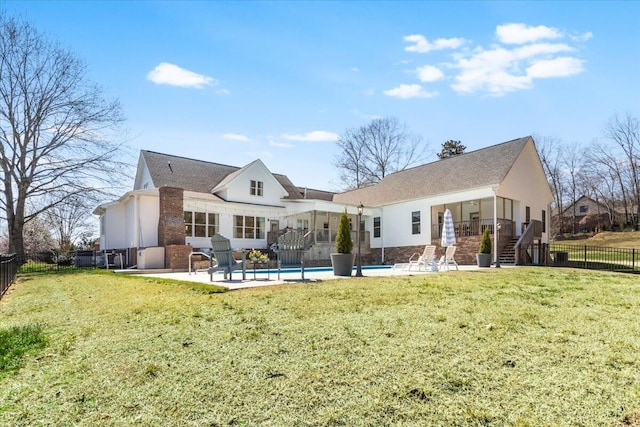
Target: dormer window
[256, 188]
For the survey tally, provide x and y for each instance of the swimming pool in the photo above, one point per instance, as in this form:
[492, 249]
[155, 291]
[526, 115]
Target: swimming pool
[317, 269]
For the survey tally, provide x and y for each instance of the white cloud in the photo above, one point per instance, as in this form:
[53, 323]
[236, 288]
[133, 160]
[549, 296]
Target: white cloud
[365, 116]
[421, 45]
[223, 92]
[263, 154]
[531, 50]
[236, 137]
[429, 73]
[582, 37]
[557, 67]
[280, 144]
[499, 70]
[173, 75]
[355, 69]
[405, 91]
[522, 33]
[524, 53]
[315, 136]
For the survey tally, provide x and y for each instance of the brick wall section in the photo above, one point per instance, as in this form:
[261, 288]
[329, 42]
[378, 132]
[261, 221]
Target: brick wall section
[465, 254]
[176, 257]
[394, 255]
[171, 228]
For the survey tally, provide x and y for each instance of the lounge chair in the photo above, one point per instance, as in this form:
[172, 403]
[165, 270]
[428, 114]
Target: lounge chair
[448, 259]
[419, 260]
[223, 254]
[290, 251]
[422, 261]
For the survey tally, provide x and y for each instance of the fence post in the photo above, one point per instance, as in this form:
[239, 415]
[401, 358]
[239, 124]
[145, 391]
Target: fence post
[633, 259]
[585, 256]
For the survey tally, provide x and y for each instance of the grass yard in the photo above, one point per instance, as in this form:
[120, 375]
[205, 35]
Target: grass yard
[609, 239]
[522, 347]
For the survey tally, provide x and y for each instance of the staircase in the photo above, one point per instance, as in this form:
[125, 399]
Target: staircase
[508, 254]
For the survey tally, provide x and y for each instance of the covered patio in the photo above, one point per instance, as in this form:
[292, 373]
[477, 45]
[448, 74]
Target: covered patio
[472, 217]
[320, 229]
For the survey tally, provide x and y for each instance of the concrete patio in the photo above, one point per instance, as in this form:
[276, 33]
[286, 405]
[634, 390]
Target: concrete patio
[311, 275]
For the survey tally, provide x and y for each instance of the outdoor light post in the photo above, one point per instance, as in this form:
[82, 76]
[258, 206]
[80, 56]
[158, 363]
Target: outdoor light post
[359, 270]
[497, 243]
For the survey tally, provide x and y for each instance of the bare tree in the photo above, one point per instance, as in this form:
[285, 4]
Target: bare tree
[369, 153]
[550, 151]
[37, 238]
[572, 162]
[70, 222]
[624, 132]
[56, 128]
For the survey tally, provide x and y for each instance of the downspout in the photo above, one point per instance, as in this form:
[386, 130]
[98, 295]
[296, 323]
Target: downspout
[495, 224]
[547, 227]
[382, 233]
[136, 223]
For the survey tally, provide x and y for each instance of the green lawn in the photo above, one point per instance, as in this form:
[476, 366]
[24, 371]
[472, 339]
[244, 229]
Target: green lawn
[524, 347]
[609, 239]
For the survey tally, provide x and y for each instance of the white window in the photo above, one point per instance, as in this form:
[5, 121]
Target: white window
[248, 227]
[415, 222]
[201, 224]
[376, 226]
[256, 187]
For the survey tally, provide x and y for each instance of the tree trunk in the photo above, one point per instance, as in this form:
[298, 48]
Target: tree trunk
[16, 239]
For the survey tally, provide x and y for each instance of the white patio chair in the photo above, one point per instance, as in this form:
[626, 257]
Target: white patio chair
[418, 260]
[448, 259]
[421, 261]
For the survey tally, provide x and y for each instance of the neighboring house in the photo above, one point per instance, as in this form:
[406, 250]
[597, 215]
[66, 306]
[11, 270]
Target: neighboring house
[590, 215]
[180, 203]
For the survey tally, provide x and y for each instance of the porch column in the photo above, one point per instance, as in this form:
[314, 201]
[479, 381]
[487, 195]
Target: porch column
[313, 225]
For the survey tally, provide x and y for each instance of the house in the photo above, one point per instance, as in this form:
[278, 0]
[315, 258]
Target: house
[587, 215]
[179, 203]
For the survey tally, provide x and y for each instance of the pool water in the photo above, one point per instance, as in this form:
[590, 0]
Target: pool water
[318, 269]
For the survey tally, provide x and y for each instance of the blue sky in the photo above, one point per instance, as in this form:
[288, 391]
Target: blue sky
[230, 82]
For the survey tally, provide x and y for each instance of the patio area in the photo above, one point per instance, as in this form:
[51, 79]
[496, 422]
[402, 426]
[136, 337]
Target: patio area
[262, 278]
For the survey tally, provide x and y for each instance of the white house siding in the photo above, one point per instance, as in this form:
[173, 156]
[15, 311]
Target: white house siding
[198, 202]
[113, 236]
[527, 174]
[397, 225]
[130, 206]
[148, 216]
[143, 178]
[237, 190]
[396, 219]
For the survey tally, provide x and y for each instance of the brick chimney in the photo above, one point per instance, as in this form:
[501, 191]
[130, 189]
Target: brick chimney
[171, 228]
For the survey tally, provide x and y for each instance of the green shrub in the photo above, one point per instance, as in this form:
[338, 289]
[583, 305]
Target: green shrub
[344, 243]
[485, 243]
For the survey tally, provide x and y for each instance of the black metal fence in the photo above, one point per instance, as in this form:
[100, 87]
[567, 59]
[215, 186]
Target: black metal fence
[44, 262]
[595, 258]
[8, 270]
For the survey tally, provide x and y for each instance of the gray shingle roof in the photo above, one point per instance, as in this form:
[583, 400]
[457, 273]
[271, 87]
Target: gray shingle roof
[202, 176]
[487, 166]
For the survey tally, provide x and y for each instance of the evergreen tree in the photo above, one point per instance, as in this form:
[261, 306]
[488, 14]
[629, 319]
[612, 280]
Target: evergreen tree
[451, 148]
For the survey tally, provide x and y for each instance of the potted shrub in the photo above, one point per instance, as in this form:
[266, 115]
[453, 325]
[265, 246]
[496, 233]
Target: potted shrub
[342, 261]
[483, 257]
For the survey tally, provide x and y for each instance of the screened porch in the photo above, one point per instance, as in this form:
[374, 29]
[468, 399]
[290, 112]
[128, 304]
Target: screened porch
[472, 217]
